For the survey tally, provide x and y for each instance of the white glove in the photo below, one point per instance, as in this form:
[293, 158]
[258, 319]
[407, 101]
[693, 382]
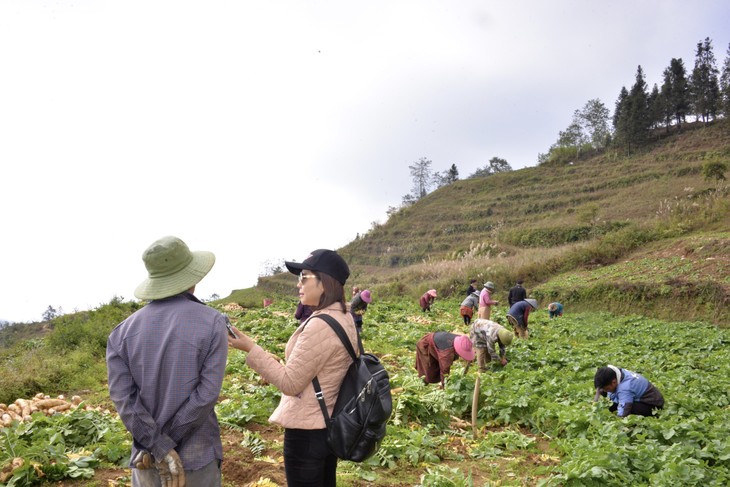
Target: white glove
[143, 460]
[172, 473]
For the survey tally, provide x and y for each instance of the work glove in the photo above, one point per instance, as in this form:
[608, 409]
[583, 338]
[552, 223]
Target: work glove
[170, 468]
[143, 460]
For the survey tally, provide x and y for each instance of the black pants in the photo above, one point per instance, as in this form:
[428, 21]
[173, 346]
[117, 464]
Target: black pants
[638, 408]
[308, 460]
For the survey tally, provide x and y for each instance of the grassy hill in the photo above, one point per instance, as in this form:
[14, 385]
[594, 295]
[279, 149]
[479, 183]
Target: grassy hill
[568, 230]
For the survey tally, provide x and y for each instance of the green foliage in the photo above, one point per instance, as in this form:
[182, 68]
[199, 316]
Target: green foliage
[69, 358]
[267, 287]
[714, 170]
[63, 446]
[497, 442]
[443, 476]
[543, 395]
[253, 442]
[410, 446]
[551, 237]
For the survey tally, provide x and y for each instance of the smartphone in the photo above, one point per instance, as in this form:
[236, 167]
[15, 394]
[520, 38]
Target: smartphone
[230, 327]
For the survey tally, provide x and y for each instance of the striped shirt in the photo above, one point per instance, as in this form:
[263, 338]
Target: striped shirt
[165, 365]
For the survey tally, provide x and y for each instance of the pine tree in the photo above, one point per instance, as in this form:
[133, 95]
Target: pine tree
[656, 109]
[675, 92]
[631, 118]
[725, 85]
[618, 111]
[704, 86]
[620, 118]
[638, 116]
[453, 174]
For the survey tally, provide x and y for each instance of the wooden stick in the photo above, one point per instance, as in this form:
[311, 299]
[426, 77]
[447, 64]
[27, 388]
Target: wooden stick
[475, 405]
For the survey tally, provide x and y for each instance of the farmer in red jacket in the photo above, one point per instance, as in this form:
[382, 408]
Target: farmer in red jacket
[427, 300]
[436, 352]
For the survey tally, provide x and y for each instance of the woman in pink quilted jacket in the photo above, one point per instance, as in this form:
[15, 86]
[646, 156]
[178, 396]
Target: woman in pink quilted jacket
[313, 350]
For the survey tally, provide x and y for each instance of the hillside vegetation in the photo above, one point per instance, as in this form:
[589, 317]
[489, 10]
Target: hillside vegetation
[535, 423]
[569, 230]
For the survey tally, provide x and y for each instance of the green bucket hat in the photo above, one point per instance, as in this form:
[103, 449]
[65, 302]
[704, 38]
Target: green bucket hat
[505, 336]
[172, 268]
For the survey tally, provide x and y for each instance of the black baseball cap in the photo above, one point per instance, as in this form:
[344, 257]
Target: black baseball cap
[322, 260]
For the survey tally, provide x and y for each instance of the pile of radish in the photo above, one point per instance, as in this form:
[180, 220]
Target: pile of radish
[22, 409]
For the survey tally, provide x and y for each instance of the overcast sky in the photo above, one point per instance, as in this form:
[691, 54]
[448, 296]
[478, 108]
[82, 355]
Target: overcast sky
[261, 130]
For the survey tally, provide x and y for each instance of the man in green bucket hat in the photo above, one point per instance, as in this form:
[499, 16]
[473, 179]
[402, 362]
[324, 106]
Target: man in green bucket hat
[165, 365]
[486, 336]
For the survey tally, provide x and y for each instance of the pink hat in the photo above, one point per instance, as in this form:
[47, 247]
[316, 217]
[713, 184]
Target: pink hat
[432, 292]
[463, 346]
[365, 295]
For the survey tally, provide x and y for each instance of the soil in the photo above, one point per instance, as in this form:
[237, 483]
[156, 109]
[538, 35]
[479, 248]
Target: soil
[239, 468]
[242, 469]
[239, 465]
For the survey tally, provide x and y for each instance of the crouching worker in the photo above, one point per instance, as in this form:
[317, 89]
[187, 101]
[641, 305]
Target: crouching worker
[630, 392]
[555, 310]
[485, 335]
[436, 352]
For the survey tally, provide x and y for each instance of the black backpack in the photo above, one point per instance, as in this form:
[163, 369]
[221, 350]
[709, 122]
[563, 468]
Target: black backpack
[363, 407]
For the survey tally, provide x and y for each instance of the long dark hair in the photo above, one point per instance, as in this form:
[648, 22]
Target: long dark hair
[334, 292]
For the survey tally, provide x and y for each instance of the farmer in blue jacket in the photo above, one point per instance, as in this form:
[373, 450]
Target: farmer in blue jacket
[555, 309]
[517, 316]
[630, 392]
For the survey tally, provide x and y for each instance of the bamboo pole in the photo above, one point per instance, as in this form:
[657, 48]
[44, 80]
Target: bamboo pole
[475, 405]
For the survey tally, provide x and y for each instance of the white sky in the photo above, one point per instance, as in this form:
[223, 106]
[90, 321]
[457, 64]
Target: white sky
[261, 130]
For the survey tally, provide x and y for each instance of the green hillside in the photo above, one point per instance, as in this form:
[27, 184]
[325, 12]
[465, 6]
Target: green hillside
[568, 230]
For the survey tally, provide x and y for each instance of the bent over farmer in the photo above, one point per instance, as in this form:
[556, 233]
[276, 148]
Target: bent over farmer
[486, 335]
[468, 306]
[518, 314]
[436, 352]
[427, 300]
[165, 367]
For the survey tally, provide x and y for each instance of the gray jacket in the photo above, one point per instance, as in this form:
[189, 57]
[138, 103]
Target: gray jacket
[471, 301]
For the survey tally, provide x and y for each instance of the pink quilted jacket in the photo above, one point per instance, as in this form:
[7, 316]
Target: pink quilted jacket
[313, 350]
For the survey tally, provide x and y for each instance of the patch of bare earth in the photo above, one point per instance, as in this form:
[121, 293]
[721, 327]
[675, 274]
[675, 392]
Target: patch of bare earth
[240, 467]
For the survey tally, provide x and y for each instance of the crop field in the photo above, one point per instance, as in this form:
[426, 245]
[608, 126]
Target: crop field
[536, 422]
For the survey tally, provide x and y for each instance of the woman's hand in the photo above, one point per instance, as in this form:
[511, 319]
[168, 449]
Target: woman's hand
[243, 342]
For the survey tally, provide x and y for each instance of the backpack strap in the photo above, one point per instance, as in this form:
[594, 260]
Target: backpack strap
[337, 328]
[320, 399]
